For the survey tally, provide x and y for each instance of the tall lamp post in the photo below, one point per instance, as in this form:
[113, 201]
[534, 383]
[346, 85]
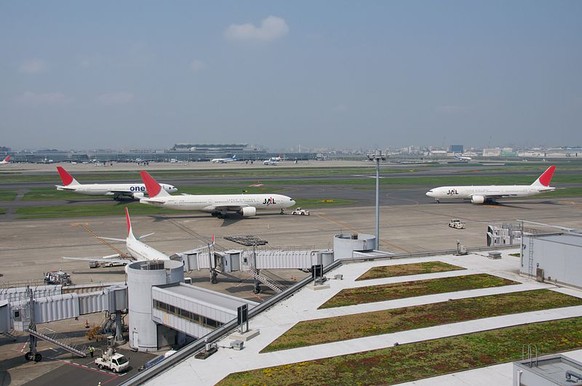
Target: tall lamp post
[377, 156]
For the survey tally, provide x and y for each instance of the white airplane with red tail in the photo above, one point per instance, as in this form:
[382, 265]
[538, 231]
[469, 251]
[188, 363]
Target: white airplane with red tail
[138, 251]
[489, 193]
[133, 191]
[219, 205]
[6, 160]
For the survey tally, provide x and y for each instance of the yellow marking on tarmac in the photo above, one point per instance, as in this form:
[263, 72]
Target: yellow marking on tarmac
[341, 224]
[87, 229]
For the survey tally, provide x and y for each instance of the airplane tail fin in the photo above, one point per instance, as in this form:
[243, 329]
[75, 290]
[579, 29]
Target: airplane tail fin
[66, 178]
[153, 188]
[128, 221]
[546, 178]
[6, 159]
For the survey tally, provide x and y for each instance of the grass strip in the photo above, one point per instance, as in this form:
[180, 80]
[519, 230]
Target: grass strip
[410, 362]
[7, 195]
[327, 330]
[113, 209]
[408, 269]
[379, 293]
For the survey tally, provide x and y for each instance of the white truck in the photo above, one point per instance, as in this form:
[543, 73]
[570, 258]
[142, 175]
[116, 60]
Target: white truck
[112, 361]
[301, 212]
[456, 224]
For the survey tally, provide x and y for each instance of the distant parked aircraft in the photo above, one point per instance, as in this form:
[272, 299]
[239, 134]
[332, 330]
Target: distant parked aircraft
[138, 250]
[463, 158]
[118, 191]
[223, 160]
[218, 205]
[6, 160]
[490, 193]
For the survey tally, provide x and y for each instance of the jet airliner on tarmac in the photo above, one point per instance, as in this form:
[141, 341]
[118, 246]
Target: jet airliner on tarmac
[138, 250]
[218, 205]
[223, 160]
[489, 193]
[118, 191]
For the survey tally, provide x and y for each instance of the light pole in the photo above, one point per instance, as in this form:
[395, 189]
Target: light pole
[377, 156]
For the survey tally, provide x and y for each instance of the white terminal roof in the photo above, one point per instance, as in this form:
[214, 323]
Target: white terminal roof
[206, 297]
[304, 306]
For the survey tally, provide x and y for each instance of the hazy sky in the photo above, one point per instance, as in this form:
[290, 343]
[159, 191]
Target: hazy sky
[345, 74]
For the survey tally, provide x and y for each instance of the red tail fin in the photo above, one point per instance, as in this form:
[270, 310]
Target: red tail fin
[7, 159]
[152, 186]
[65, 176]
[546, 177]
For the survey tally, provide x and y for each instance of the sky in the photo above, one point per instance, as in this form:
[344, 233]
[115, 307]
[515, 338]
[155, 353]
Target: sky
[302, 74]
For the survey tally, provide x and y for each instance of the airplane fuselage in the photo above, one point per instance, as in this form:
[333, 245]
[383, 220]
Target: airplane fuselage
[141, 251]
[210, 203]
[486, 191]
[112, 189]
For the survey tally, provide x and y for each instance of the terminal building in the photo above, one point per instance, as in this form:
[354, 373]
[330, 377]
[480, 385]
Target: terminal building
[183, 152]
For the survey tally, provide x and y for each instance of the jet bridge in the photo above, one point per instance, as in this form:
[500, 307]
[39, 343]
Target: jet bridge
[24, 311]
[246, 260]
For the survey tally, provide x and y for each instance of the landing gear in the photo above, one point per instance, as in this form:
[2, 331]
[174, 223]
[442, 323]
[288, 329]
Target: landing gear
[257, 289]
[213, 277]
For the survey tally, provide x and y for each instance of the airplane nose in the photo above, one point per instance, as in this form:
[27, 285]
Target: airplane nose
[430, 193]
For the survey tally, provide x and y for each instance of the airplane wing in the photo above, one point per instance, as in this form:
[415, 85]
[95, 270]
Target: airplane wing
[61, 187]
[112, 259]
[112, 239]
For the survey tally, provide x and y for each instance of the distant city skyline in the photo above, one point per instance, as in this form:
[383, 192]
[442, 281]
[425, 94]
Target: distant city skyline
[341, 74]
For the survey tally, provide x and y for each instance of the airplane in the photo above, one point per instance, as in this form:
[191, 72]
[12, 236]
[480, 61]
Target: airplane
[463, 158]
[219, 205]
[138, 251]
[6, 160]
[223, 160]
[271, 161]
[118, 191]
[489, 193]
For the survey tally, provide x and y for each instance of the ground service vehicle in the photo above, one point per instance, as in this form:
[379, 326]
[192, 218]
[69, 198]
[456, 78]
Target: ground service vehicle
[57, 277]
[456, 224]
[301, 212]
[112, 361]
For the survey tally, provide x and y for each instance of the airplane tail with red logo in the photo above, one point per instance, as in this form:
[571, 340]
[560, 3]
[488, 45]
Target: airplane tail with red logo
[66, 178]
[545, 179]
[153, 188]
[5, 160]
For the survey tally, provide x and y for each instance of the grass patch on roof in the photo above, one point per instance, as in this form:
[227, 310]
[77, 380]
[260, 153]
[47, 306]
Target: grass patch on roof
[379, 293]
[333, 329]
[408, 269]
[414, 361]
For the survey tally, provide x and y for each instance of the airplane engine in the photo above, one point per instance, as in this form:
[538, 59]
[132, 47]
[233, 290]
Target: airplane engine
[248, 211]
[138, 195]
[478, 199]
